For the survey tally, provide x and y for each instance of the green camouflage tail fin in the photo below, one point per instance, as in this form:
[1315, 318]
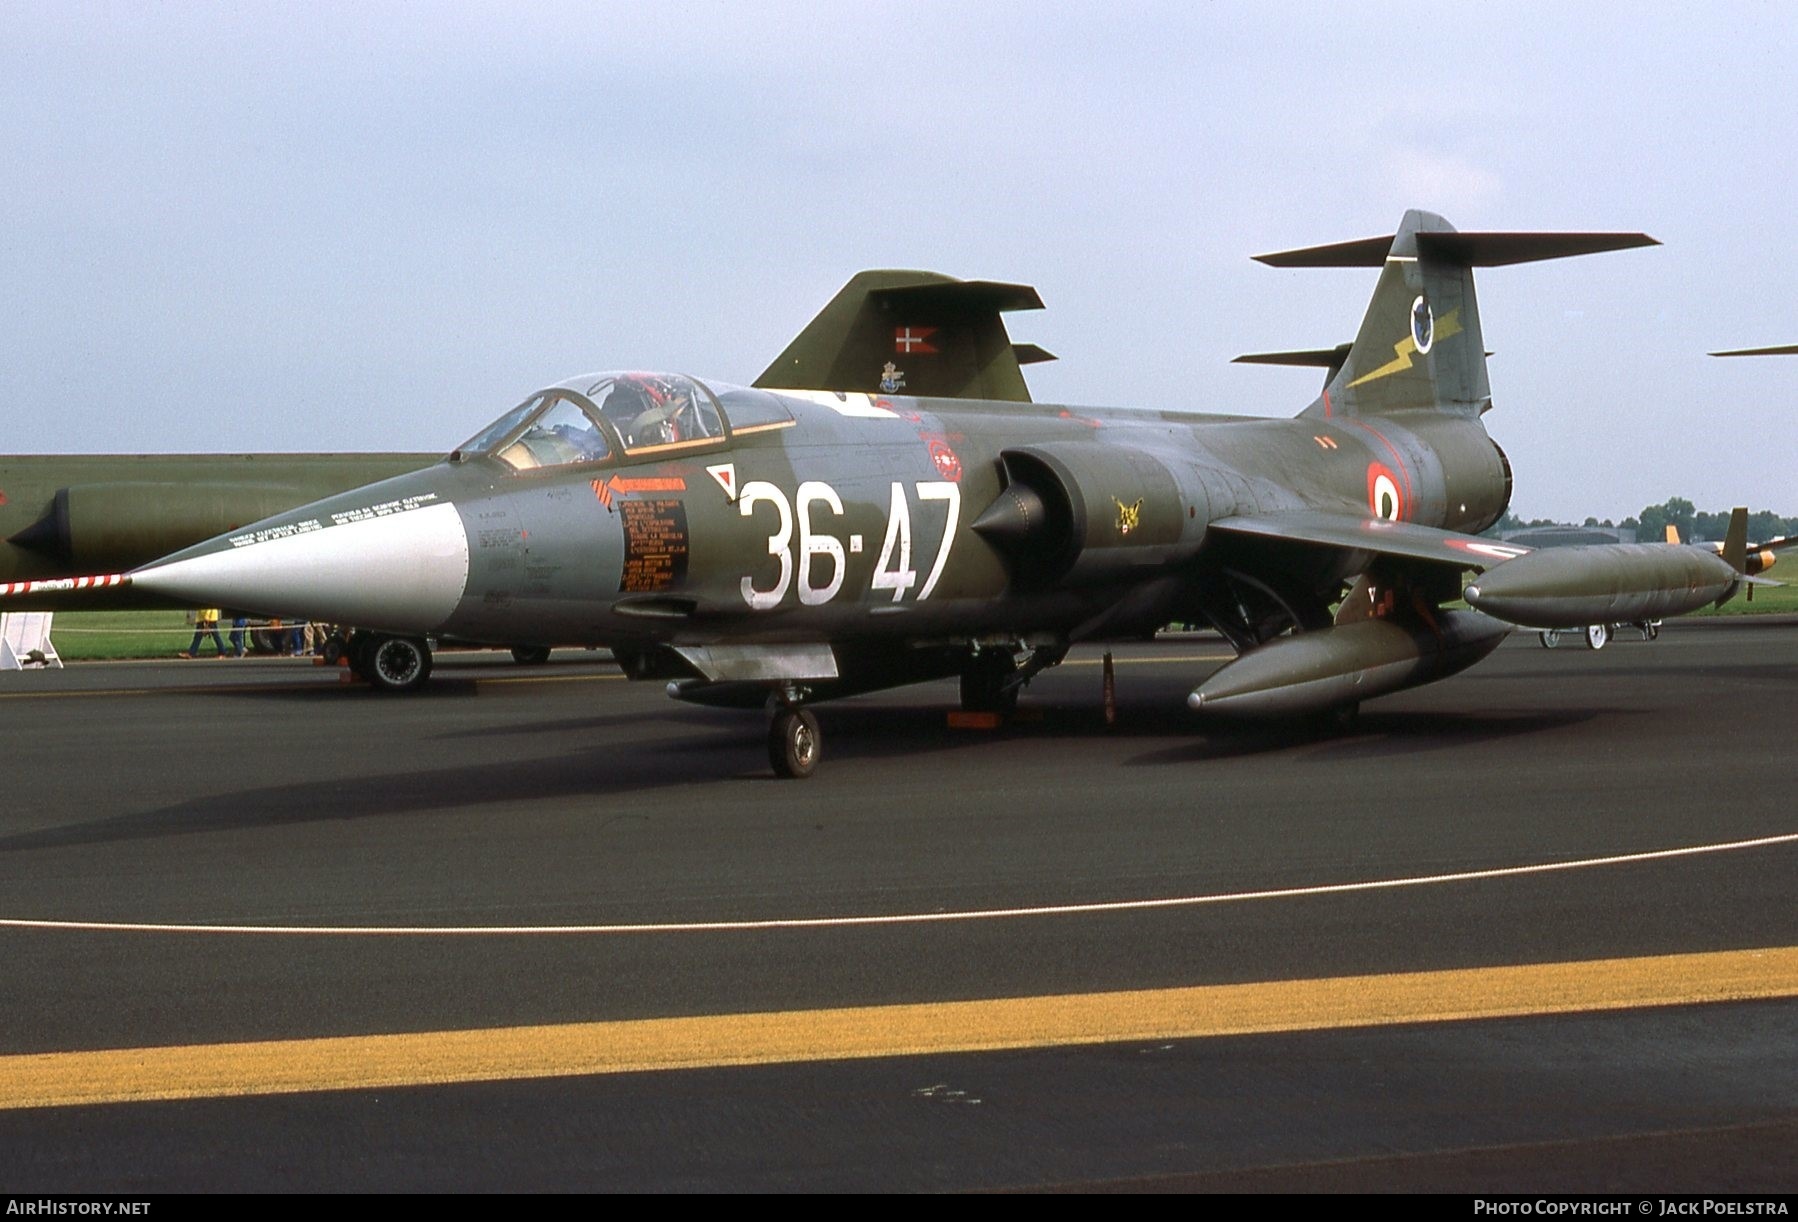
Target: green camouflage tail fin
[1420, 347]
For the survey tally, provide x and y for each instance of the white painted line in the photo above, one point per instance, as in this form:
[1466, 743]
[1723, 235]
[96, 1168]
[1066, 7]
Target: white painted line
[905, 918]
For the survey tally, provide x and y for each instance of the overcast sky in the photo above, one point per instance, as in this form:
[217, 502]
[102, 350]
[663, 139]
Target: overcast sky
[375, 226]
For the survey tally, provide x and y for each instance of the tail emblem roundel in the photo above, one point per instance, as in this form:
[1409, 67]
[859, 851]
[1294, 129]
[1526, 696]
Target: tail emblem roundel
[1383, 496]
[1423, 325]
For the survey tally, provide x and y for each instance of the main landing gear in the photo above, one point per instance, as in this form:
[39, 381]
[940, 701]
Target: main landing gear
[987, 685]
[794, 743]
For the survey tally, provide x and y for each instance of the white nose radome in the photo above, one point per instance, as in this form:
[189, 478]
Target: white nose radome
[403, 572]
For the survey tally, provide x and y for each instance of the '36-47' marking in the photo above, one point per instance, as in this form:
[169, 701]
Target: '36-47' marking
[819, 562]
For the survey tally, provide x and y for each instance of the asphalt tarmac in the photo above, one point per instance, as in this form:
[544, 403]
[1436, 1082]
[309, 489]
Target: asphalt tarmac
[1530, 929]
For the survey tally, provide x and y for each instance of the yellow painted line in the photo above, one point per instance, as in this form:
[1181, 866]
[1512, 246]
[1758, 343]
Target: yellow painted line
[296, 685]
[157, 691]
[69, 1079]
[115, 691]
[619, 678]
[1156, 661]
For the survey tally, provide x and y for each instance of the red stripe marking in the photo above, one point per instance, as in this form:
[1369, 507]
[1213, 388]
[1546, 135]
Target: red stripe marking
[1391, 449]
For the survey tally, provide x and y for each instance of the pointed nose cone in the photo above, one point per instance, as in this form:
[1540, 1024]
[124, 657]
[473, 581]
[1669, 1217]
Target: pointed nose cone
[399, 564]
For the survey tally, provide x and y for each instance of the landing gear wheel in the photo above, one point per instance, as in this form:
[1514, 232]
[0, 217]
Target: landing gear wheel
[1597, 635]
[1551, 637]
[333, 650]
[794, 743]
[983, 688]
[398, 663]
[1653, 630]
[359, 649]
[530, 655]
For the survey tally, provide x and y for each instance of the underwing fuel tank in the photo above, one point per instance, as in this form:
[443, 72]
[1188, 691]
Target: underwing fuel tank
[1333, 667]
[1569, 587]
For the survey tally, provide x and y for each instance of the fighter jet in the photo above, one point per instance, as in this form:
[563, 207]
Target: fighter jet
[775, 548]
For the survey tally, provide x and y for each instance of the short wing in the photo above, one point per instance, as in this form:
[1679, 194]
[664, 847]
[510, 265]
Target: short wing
[1377, 535]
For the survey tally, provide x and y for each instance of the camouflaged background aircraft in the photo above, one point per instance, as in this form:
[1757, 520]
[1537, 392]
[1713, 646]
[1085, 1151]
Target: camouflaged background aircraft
[774, 548]
[63, 515]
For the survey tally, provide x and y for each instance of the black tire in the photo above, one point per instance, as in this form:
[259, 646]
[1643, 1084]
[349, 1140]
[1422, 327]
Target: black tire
[358, 650]
[983, 687]
[530, 655]
[333, 650]
[794, 744]
[1551, 637]
[1339, 720]
[398, 663]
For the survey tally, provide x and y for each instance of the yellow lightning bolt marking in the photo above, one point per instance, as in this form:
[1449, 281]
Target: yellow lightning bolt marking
[1449, 324]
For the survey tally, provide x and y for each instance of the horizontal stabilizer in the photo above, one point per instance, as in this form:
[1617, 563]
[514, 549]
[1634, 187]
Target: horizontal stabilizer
[1461, 249]
[1775, 350]
[1321, 358]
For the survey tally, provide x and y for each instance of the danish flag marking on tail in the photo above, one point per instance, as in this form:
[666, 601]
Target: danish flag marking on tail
[913, 339]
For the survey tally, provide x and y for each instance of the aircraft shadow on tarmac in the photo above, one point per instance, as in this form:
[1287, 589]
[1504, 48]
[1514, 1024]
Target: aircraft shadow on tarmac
[724, 746]
[580, 773]
[727, 747]
[1377, 735]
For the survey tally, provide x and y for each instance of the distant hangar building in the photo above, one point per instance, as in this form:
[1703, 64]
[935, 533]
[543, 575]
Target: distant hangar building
[1569, 536]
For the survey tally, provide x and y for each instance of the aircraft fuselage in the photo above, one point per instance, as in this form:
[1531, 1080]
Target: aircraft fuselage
[858, 519]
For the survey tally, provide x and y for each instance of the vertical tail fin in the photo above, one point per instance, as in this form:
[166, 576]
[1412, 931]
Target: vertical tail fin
[1420, 347]
[1735, 540]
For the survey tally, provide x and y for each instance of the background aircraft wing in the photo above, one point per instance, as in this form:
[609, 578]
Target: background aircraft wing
[1775, 350]
[913, 333]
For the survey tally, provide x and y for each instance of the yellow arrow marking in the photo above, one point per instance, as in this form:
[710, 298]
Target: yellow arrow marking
[1406, 348]
[68, 1079]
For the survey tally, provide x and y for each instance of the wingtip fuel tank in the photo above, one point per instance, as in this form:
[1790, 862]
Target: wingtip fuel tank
[1313, 672]
[1568, 587]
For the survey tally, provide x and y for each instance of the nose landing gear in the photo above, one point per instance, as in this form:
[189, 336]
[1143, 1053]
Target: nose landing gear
[390, 663]
[794, 743]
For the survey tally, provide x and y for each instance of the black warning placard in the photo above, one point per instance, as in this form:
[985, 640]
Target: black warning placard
[655, 544]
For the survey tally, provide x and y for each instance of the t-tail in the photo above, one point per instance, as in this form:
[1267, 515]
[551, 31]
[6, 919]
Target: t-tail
[1420, 346]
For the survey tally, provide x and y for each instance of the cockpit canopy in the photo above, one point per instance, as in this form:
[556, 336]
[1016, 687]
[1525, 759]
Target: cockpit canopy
[589, 419]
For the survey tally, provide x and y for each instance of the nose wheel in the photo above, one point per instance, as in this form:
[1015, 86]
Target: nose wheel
[794, 743]
[390, 663]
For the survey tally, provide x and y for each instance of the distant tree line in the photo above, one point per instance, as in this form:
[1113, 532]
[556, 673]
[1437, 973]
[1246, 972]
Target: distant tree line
[1651, 524]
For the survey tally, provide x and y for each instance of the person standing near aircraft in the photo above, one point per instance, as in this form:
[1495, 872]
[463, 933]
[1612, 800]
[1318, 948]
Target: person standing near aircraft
[206, 624]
